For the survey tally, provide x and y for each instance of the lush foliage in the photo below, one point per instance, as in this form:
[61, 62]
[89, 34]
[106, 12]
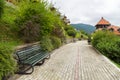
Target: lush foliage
[1, 7]
[108, 44]
[8, 40]
[50, 43]
[71, 31]
[56, 42]
[7, 63]
[28, 21]
[30, 33]
[37, 19]
[46, 44]
[59, 32]
[9, 15]
[34, 15]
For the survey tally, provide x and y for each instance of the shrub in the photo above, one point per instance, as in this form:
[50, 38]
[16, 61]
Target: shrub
[71, 33]
[39, 16]
[58, 31]
[56, 42]
[30, 32]
[1, 7]
[98, 36]
[7, 63]
[68, 28]
[5, 34]
[108, 44]
[9, 15]
[46, 44]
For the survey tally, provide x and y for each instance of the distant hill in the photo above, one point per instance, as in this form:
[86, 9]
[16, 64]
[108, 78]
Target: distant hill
[85, 27]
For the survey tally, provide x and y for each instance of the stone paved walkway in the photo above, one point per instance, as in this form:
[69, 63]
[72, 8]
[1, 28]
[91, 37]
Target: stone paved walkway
[75, 61]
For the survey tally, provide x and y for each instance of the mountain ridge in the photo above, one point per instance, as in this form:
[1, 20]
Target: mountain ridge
[85, 27]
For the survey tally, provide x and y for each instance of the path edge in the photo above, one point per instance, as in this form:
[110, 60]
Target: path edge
[107, 59]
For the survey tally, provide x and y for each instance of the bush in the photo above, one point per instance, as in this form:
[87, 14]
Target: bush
[1, 7]
[5, 34]
[108, 44]
[9, 15]
[46, 44]
[7, 63]
[71, 33]
[56, 42]
[30, 32]
[58, 31]
[39, 16]
[106, 35]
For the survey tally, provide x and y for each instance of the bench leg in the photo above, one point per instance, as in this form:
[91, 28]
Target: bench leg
[31, 67]
[48, 57]
[25, 71]
[41, 62]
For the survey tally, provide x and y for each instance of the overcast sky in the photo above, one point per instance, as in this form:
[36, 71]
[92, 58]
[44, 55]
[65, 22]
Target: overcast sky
[89, 11]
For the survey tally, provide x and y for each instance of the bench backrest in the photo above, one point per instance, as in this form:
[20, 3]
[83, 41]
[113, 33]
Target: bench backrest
[28, 52]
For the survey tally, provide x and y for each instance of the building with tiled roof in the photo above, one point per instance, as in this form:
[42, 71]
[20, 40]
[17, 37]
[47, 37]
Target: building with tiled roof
[114, 29]
[104, 24]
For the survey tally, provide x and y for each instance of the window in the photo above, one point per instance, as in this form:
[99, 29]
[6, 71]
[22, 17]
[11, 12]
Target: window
[118, 30]
[111, 29]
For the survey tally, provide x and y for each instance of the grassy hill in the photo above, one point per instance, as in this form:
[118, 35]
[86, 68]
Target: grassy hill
[85, 27]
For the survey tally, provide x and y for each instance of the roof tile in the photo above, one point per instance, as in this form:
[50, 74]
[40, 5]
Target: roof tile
[103, 22]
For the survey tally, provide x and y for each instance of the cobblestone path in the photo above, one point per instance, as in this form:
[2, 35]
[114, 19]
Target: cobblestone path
[75, 61]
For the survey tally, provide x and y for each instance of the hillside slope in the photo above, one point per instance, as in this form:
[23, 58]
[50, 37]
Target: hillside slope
[85, 27]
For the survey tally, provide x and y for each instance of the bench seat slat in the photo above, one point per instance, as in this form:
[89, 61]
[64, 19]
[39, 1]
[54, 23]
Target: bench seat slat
[28, 51]
[35, 59]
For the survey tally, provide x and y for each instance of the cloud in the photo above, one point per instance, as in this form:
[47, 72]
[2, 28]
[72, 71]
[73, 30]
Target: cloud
[89, 11]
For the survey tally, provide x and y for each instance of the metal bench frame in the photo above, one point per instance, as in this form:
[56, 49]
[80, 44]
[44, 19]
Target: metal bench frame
[30, 56]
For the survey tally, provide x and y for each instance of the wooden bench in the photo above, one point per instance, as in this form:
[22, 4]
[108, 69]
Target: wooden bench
[30, 56]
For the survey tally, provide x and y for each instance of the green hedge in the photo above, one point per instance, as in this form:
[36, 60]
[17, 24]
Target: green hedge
[108, 44]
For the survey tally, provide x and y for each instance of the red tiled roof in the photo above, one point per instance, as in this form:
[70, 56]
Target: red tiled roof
[103, 22]
[115, 29]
